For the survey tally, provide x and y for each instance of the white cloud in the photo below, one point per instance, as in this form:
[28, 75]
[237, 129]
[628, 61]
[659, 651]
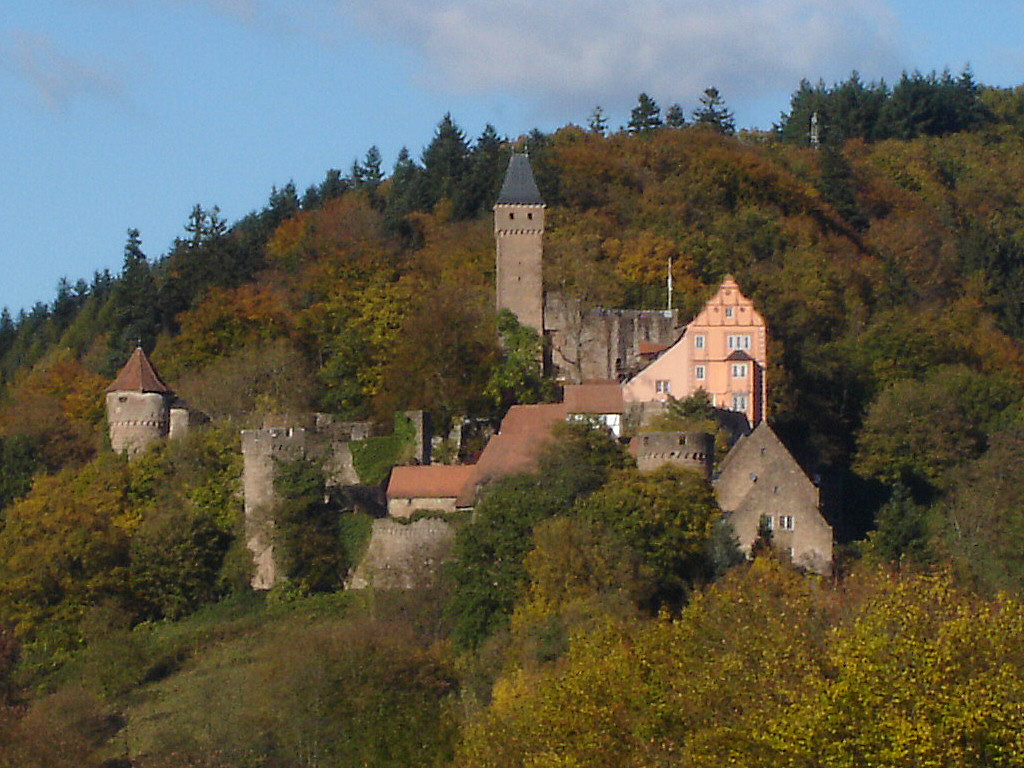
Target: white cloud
[56, 78]
[582, 52]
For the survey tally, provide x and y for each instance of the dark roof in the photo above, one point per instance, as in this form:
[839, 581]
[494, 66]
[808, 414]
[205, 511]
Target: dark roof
[739, 354]
[138, 375]
[519, 187]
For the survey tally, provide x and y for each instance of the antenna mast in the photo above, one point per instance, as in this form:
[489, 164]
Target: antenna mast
[670, 284]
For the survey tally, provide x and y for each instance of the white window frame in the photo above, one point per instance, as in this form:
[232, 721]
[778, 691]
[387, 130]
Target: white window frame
[699, 373]
[738, 341]
[699, 341]
[728, 311]
[786, 523]
[740, 401]
[663, 386]
[769, 522]
[739, 370]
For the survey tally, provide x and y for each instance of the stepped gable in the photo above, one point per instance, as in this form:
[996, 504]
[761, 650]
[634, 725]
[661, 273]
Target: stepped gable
[138, 375]
[519, 186]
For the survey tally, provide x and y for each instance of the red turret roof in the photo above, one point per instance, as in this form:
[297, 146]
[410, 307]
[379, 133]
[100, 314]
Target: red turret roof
[138, 375]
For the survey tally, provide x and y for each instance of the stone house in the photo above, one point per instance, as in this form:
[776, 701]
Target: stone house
[598, 401]
[760, 481]
[434, 487]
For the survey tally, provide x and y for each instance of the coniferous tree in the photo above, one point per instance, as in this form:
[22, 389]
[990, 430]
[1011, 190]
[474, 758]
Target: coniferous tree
[7, 331]
[311, 198]
[645, 116]
[713, 113]
[333, 185]
[405, 194]
[135, 300]
[368, 174]
[674, 117]
[836, 187]
[445, 163]
[598, 123]
[487, 162]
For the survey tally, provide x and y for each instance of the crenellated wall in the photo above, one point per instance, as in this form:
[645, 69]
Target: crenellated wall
[692, 450]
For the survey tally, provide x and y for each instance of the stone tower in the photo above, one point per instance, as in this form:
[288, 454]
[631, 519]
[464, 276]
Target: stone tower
[690, 450]
[139, 406]
[519, 233]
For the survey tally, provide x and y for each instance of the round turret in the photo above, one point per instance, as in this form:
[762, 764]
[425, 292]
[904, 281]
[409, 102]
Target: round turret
[138, 406]
[692, 450]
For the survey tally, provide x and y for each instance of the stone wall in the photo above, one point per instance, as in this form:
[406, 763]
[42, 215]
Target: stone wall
[404, 555]
[692, 450]
[590, 344]
[136, 419]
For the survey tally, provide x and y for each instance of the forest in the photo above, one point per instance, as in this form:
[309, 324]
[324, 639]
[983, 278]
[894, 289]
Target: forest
[591, 615]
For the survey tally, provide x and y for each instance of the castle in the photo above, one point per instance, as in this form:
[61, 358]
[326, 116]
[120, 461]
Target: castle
[722, 351]
[141, 409]
[618, 367]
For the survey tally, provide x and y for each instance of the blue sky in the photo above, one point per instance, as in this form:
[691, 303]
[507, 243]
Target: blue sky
[126, 113]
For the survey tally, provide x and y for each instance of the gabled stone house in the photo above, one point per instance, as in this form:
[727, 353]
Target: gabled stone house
[434, 487]
[759, 482]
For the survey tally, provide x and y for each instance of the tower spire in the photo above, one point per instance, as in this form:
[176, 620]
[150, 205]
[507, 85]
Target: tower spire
[519, 234]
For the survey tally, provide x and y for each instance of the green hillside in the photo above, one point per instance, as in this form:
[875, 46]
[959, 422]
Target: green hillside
[587, 620]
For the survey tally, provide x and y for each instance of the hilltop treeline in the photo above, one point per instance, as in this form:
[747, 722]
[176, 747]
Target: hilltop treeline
[889, 265]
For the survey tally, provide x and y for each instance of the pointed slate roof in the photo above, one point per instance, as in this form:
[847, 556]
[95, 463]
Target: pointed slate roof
[138, 375]
[519, 187]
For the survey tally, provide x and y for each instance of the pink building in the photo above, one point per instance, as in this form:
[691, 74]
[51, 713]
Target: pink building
[723, 351]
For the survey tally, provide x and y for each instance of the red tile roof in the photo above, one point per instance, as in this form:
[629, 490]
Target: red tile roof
[435, 481]
[652, 349]
[138, 375]
[522, 436]
[523, 433]
[604, 397]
